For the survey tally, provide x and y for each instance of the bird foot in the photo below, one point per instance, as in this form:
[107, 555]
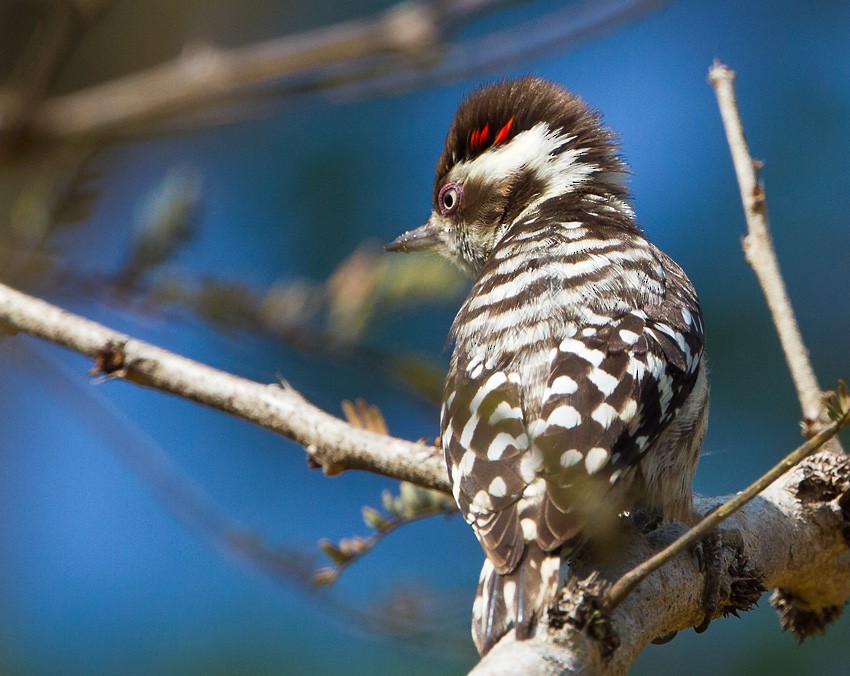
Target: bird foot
[708, 555]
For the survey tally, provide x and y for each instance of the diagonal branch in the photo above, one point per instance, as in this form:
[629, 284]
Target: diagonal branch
[759, 252]
[330, 442]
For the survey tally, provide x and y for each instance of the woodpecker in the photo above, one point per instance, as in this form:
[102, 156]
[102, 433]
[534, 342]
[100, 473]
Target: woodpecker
[577, 388]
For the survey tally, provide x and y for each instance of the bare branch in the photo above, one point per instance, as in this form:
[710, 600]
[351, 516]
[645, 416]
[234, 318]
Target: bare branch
[758, 249]
[759, 252]
[329, 441]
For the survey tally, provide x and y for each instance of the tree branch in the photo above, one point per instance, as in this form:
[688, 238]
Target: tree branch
[618, 592]
[795, 539]
[409, 44]
[206, 73]
[329, 441]
[759, 251]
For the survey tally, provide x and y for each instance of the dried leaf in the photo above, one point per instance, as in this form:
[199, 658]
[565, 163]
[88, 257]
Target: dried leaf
[838, 402]
[365, 416]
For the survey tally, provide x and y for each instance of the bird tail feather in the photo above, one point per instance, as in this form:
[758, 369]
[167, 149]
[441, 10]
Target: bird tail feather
[517, 599]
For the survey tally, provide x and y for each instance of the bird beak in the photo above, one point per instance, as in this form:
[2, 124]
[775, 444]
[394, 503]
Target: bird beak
[424, 238]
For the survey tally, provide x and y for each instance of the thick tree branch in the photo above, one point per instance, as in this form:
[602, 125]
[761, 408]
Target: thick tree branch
[759, 251]
[630, 580]
[795, 539]
[330, 442]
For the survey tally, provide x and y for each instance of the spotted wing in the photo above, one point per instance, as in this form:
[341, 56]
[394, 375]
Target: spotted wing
[609, 396]
[485, 441]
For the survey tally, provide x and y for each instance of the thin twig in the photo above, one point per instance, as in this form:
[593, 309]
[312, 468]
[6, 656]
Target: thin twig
[352, 550]
[330, 442]
[759, 251]
[630, 580]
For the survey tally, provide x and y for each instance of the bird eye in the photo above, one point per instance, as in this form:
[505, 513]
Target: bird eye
[449, 198]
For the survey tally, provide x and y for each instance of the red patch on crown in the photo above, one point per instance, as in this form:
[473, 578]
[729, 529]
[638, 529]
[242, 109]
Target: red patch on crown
[503, 133]
[478, 139]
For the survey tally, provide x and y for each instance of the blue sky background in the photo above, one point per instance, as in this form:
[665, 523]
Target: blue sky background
[101, 577]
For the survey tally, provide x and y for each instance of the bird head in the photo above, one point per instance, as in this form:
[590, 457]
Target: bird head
[511, 147]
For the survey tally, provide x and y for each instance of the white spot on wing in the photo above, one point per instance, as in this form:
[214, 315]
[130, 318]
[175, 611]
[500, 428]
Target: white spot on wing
[469, 431]
[604, 414]
[449, 400]
[596, 459]
[629, 337]
[493, 382]
[529, 529]
[497, 488]
[570, 458]
[579, 349]
[562, 385]
[467, 462]
[504, 411]
[501, 442]
[629, 409]
[604, 381]
[530, 465]
[482, 501]
[565, 416]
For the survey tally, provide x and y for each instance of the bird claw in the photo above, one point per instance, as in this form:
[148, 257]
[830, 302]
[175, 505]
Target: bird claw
[664, 638]
[708, 555]
[702, 626]
[646, 521]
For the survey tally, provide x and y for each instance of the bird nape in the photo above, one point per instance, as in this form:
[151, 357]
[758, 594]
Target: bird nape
[577, 387]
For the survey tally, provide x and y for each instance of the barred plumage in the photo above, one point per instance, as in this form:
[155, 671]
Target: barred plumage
[577, 385]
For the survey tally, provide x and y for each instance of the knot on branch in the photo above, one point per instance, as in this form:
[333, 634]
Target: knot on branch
[110, 360]
[796, 616]
[580, 605]
[826, 479]
[746, 585]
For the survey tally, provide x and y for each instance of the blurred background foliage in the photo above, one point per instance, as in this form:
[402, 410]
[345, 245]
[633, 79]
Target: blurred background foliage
[142, 534]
